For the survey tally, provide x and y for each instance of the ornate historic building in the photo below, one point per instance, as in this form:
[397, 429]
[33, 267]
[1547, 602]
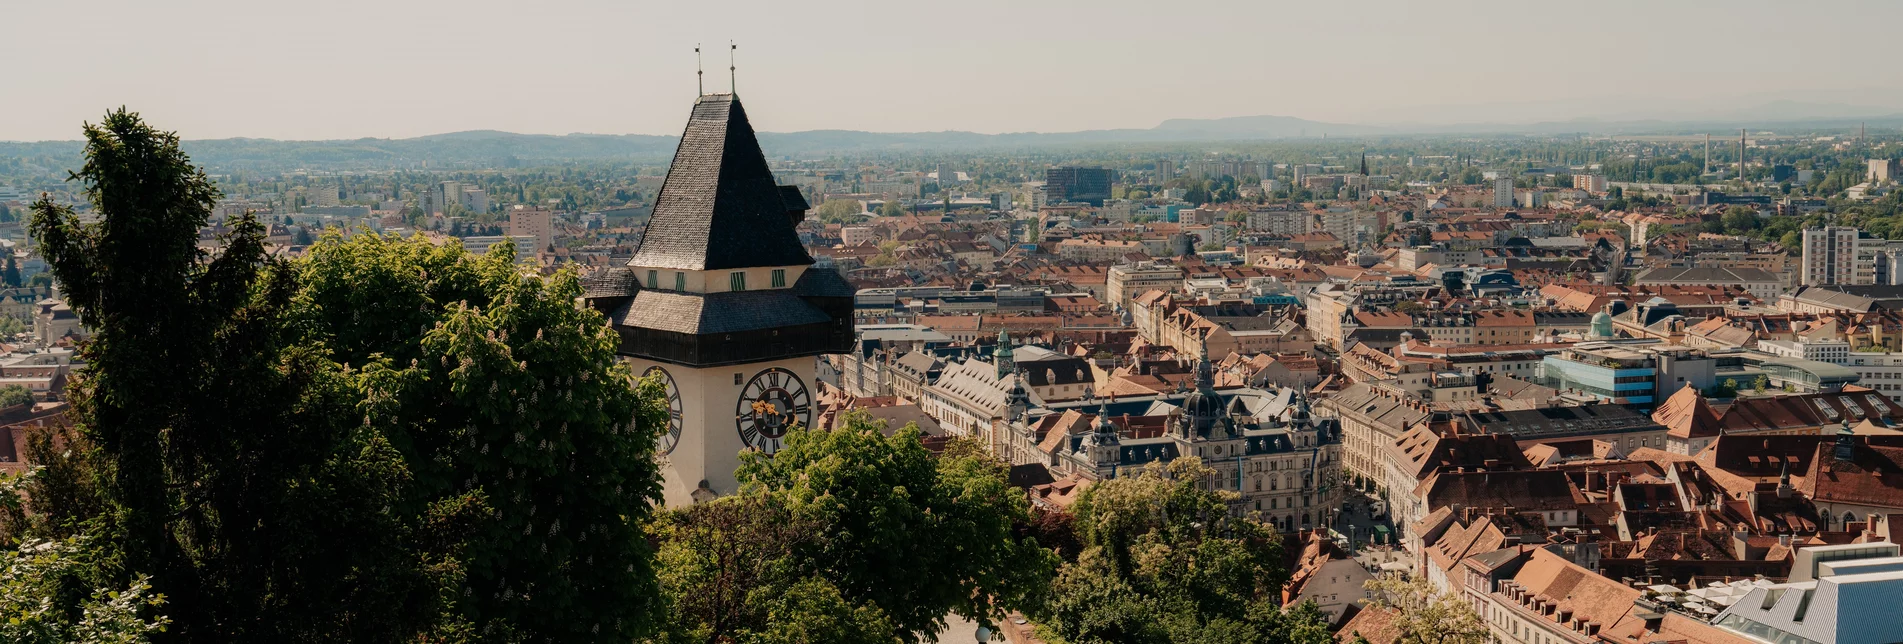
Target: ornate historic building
[1264, 445]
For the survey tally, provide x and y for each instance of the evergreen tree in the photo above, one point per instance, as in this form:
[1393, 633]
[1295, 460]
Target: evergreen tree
[12, 274]
[385, 441]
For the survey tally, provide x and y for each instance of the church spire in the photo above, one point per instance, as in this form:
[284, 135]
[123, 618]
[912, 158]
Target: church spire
[1205, 372]
[1001, 356]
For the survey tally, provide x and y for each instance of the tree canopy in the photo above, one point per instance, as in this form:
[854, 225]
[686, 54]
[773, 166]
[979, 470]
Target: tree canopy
[1425, 615]
[383, 442]
[852, 529]
[1165, 561]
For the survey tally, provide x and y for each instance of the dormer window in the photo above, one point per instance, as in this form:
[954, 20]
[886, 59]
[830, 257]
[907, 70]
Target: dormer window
[737, 281]
[779, 278]
[654, 279]
[680, 281]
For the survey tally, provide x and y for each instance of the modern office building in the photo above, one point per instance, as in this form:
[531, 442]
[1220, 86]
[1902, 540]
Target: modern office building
[1087, 185]
[1629, 373]
[1839, 594]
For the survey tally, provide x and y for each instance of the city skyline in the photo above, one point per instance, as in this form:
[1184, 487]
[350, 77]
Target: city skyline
[237, 70]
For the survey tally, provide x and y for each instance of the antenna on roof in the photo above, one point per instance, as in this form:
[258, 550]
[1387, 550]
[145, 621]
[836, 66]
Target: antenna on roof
[700, 84]
[730, 75]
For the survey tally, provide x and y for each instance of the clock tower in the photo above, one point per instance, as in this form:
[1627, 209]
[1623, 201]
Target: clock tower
[722, 302]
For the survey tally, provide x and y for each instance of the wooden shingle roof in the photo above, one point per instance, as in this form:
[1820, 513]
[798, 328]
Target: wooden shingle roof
[719, 207]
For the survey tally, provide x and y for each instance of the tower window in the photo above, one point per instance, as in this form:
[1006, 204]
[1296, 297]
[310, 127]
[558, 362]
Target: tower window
[680, 281]
[779, 278]
[737, 281]
[654, 279]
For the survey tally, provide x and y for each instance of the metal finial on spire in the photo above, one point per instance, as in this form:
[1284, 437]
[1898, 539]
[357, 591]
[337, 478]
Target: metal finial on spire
[731, 85]
[700, 74]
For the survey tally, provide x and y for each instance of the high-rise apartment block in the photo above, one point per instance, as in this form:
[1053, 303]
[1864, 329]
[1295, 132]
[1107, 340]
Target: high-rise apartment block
[533, 222]
[452, 193]
[1088, 185]
[1503, 192]
[1882, 170]
[1842, 255]
[1830, 256]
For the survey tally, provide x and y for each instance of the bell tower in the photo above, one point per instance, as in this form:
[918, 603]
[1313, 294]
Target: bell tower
[721, 301]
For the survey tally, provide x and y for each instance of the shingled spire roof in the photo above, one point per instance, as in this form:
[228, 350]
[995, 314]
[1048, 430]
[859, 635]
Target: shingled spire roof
[719, 208]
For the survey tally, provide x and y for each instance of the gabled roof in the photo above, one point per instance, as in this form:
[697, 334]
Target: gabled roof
[1686, 415]
[719, 207]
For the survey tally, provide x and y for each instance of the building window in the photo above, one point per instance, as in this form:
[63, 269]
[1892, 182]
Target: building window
[779, 278]
[680, 281]
[737, 281]
[654, 279]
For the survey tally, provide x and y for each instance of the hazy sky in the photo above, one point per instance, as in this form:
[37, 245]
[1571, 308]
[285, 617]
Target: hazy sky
[398, 68]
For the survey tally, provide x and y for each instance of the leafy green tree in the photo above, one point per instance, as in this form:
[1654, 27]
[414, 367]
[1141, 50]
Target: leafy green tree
[12, 395]
[493, 384]
[949, 523]
[891, 209]
[1740, 220]
[1726, 389]
[840, 211]
[40, 577]
[1165, 561]
[1425, 615]
[58, 498]
[731, 571]
[230, 471]
[860, 528]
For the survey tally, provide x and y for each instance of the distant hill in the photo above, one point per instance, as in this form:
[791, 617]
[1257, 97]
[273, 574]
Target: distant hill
[1261, 127]
[491, 149]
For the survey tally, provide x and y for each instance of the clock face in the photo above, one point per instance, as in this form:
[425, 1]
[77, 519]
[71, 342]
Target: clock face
[668, 439]
[769, 406]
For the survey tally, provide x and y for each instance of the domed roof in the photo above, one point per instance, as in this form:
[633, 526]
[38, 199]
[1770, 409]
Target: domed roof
[1201, 404]
[1602, 325]
[1299, 409]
